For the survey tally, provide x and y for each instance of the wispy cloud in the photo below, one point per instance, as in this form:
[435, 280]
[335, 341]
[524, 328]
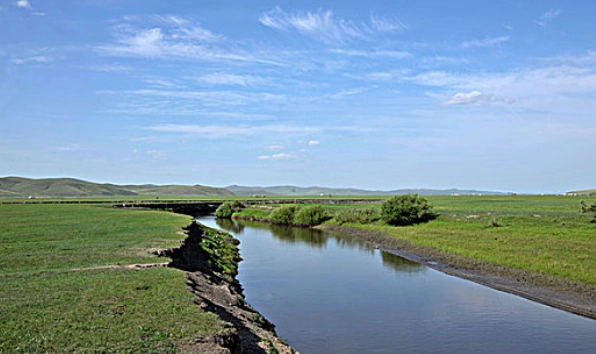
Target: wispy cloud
[157, 154]
[486, 42]
[171, 37]
[323, 26]
[314, 143]
[280, 156]
[34, 59]
[69, 148]
[230, 79]
[275, 147]
[384, 25]
[474, 98]
[218, 131]
[547, 17]
[397, 54]
[110, 68]
[543, 89]
[206, 98]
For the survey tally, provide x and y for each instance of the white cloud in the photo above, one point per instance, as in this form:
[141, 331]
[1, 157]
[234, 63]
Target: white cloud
[275, 147]
[474, 98]
[547, 17]
[23, 3]
[34, 59]
[325, 27]
[486, 42]
[280, 156]
[313, 143]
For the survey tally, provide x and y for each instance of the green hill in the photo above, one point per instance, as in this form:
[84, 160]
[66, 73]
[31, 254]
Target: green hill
[587, 193]
[18, 187]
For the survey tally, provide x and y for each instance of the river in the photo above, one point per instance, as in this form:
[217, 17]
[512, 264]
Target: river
[330, 293]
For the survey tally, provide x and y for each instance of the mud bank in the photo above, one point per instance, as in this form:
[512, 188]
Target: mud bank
[555, 292]
[210, 259]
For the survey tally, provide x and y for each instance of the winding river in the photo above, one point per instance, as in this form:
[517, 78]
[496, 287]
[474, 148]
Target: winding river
[330, 293]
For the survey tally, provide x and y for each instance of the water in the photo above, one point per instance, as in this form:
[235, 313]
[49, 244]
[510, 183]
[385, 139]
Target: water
[334, 294]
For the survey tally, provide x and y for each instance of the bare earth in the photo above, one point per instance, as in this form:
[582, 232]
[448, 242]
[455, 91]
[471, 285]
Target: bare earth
[549, 290]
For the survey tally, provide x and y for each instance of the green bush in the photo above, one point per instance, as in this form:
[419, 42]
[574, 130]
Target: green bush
[354, 215]
[406, 210]
[586, 208]
[283, 215]
[310, 215]
[227, 209]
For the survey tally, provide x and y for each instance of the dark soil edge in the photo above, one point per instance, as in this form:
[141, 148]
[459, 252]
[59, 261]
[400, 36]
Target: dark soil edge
[245, 330]
[559, 293]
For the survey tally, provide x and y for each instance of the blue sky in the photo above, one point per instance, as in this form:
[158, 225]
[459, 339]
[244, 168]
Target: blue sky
[490, 95]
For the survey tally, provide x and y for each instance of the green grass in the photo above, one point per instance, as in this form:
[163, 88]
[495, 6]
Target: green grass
[543, 234]
[48, 306]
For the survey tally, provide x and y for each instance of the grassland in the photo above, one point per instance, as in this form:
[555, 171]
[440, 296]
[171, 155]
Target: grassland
[54, 296]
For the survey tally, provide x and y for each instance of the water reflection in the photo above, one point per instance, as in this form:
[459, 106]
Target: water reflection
[400, 264]
[230, 226]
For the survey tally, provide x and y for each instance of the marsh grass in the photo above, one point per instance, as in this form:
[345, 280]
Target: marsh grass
[48, 306]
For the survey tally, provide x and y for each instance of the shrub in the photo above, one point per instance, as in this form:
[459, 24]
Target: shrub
[283, 215]
[406, 210]
[227, 209]
[586, 208]
[310, 215]
[354, 215]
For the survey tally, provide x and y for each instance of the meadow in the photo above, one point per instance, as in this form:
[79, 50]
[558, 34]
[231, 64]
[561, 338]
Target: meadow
[56, 295]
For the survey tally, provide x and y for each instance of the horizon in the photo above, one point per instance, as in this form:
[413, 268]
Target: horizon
[374, 96]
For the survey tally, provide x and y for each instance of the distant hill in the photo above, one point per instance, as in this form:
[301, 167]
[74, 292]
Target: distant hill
[19, 187]
[323, 191]
[587, 193]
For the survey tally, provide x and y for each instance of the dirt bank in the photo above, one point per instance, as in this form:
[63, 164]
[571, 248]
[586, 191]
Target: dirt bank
[246, 331]
[556, 292]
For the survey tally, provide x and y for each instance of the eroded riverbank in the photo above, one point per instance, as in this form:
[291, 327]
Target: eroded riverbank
[556, 292]
[218, 291]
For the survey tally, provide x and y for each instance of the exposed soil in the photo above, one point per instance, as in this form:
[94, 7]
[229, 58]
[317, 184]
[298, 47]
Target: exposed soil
[563, 294]
[245, 330]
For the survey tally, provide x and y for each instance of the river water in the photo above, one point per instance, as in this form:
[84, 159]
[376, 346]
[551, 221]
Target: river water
[330, 293]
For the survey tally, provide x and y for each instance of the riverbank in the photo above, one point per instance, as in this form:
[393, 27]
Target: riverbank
[210, 259]
[563, 294]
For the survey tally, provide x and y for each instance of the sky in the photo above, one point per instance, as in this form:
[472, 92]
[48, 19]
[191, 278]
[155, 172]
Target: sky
[381, 95]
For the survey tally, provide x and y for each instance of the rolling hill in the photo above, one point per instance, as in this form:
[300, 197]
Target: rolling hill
[323, 191]
[19, 187]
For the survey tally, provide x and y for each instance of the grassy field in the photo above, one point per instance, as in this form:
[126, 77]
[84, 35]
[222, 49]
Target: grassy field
[53, 300]
[543, 234]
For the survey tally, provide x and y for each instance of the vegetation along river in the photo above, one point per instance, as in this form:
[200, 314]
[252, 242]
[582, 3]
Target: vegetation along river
[331, 293]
